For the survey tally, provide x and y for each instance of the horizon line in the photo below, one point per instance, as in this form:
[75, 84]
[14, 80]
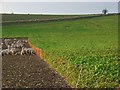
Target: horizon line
[54, 13]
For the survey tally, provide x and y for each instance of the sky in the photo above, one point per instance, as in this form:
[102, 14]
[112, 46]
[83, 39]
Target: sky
[59, 7]
[59, 0]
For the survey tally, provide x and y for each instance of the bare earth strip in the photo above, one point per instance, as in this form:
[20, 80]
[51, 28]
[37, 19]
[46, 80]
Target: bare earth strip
[29, 71]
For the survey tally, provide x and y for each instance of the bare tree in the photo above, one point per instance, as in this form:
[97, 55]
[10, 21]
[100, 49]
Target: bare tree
[104, 11]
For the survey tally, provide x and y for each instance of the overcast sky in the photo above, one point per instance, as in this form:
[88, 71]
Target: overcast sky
[59, 7]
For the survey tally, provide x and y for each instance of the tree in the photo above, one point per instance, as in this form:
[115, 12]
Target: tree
[104, 11]
[12, 13]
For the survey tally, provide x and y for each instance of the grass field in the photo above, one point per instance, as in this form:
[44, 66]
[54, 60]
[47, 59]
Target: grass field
[83, 51]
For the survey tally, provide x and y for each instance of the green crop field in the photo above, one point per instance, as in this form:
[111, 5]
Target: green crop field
[83, 51]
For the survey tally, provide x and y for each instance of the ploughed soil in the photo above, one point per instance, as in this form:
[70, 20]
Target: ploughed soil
[29, 71]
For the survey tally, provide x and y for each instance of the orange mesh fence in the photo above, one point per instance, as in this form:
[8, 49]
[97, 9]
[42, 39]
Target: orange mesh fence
[36, 49]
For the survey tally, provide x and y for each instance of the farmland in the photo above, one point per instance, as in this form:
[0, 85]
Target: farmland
[14, 17]
[83, 51]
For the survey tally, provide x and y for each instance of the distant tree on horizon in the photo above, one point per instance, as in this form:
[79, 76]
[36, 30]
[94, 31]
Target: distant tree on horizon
[12, 13]
[105, 11]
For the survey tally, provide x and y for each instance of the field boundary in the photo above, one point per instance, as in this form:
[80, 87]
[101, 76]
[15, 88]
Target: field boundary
[53, 19]
[57, 19]
[39, 53]
[37, 50]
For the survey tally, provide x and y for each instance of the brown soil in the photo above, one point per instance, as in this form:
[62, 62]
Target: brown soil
[29, 71]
